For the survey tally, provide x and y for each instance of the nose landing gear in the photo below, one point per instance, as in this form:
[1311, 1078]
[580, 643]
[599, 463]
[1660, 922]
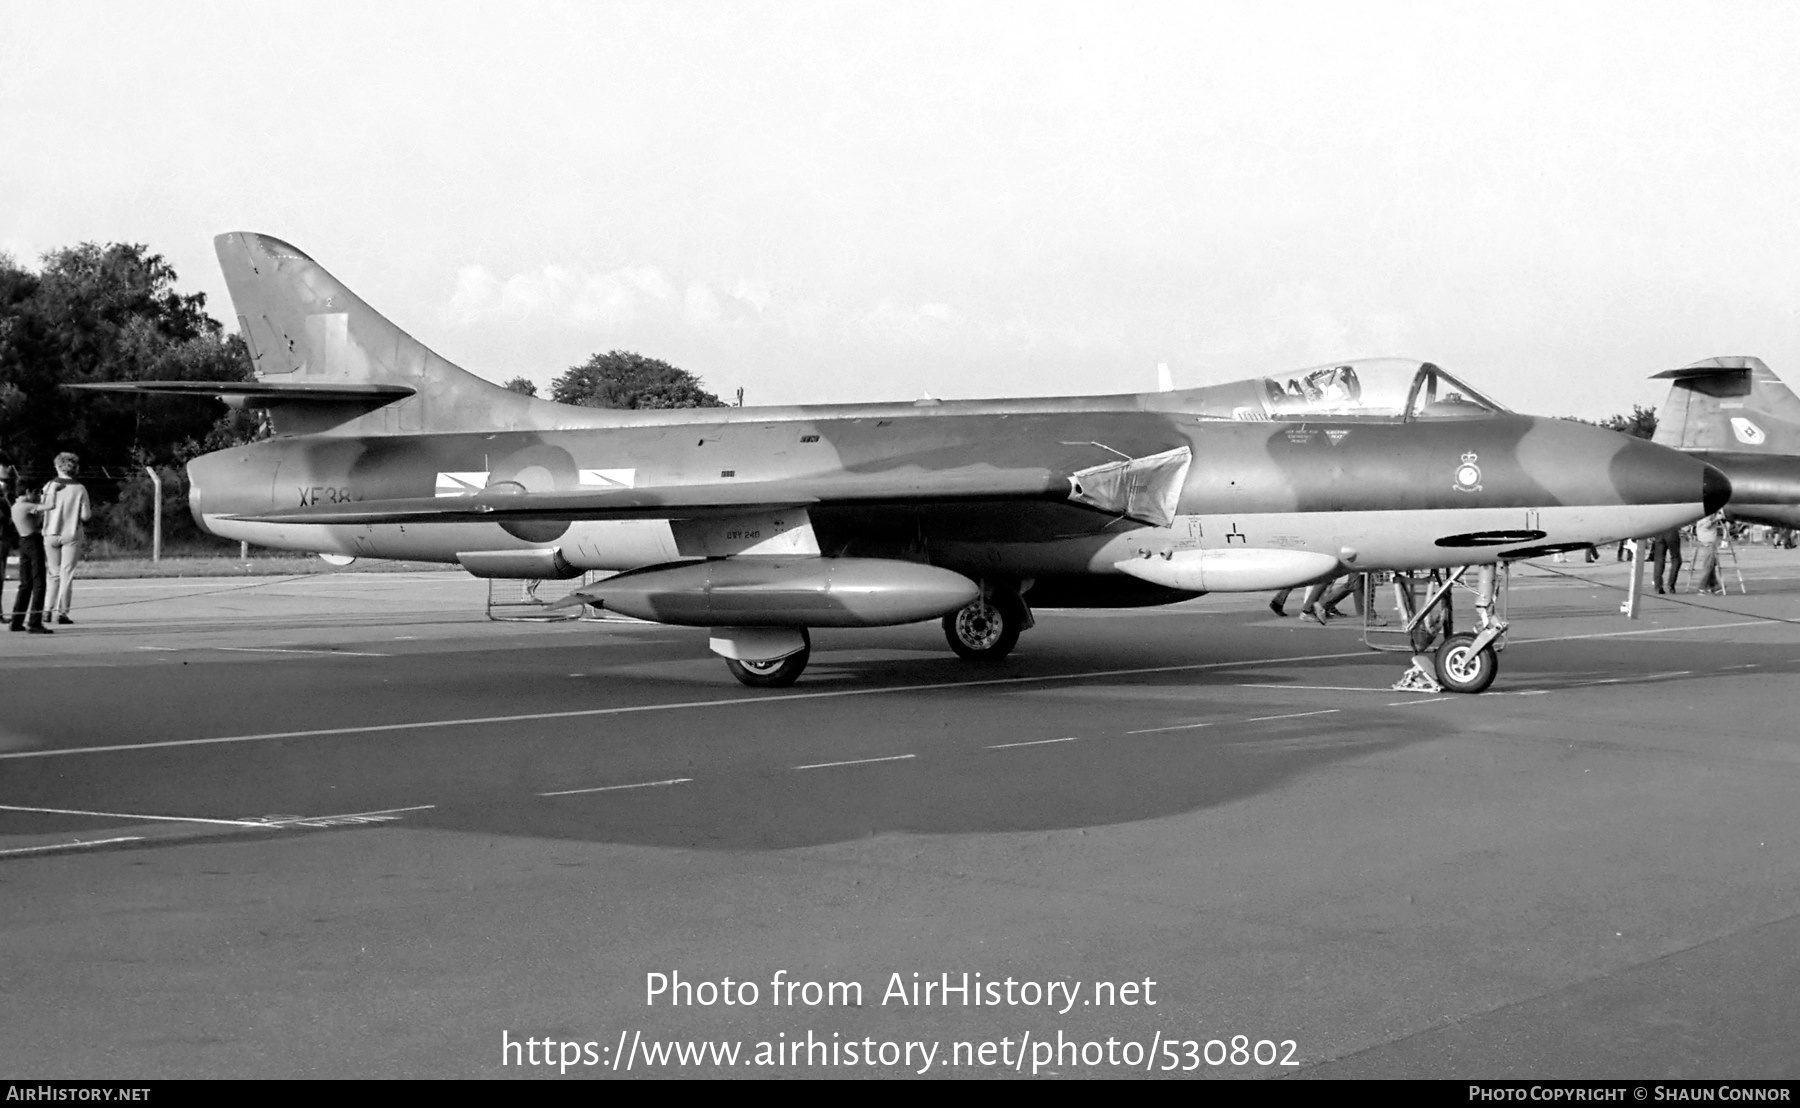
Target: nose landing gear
[1445, 659]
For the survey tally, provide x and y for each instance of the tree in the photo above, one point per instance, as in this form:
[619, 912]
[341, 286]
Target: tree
[522, 385]
[99, 314]
[621, 379]
[1640, 424]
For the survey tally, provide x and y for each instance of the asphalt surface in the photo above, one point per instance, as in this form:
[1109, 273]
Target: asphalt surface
[345, 825]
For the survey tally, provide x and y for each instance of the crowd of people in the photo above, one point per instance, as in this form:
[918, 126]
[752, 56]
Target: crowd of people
[1320, 602]
[47, 527]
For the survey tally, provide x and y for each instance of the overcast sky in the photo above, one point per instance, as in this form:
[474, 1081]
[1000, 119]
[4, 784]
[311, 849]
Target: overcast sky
[848, 201]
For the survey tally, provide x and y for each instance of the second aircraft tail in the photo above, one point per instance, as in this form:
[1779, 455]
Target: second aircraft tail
[1732, 404]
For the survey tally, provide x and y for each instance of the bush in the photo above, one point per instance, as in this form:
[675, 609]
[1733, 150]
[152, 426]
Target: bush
[125, 524]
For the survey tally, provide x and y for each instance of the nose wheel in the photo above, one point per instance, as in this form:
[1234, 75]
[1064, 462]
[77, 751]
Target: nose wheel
[1464, 667]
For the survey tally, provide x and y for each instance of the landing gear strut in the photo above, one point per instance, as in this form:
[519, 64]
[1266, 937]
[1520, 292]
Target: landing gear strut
[1445, 659]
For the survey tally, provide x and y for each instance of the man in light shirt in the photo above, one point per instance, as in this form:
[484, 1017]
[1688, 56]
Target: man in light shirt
[66, 512]
[1706, 576]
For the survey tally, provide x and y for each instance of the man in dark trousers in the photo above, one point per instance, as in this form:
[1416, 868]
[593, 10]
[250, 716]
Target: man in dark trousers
[30, 600]
[1666, 549]
[9, 538]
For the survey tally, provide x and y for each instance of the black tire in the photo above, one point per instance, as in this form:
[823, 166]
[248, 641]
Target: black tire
[987, 628]
[1462, 670]
[778, 674]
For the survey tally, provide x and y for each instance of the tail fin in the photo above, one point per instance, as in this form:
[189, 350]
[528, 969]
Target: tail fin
[1731, 404]
[305, 330]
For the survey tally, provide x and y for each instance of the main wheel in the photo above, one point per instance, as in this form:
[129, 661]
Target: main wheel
[987, 628]
[1462, 670]
[777, 674]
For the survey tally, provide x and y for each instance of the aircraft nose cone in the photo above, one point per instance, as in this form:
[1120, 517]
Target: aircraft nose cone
[1715, 489]
[1645, 473]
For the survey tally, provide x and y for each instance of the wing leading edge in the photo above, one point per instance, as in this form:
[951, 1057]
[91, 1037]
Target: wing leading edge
[1142, 489]
[257, 393]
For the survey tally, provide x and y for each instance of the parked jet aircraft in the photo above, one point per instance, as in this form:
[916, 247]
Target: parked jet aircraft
[1735, 414]
[760, 523]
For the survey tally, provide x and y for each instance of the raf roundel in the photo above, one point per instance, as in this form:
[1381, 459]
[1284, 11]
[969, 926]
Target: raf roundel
[1468, 474]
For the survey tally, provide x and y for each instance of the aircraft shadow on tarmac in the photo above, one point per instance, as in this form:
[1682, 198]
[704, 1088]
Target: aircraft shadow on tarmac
[958, 783]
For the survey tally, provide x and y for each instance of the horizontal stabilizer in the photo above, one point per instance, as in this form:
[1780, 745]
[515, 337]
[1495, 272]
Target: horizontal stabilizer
[1712, 367]
[256, 394]
[509, 503]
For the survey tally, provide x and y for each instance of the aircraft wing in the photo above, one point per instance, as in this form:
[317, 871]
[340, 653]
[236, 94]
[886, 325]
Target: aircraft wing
[260, 392]
[1143, 489]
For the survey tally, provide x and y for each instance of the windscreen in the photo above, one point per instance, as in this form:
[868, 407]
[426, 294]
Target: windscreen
[1374, 388]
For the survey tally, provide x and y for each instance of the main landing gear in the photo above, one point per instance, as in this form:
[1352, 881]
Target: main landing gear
[988, 627]
[772, 673]
[1444, 659]
[984, 630]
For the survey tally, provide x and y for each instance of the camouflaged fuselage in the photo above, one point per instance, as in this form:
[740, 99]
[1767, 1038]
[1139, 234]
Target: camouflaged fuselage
[1370, 493]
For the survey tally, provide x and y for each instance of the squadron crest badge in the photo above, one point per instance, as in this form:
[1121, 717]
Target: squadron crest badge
[1468, 474]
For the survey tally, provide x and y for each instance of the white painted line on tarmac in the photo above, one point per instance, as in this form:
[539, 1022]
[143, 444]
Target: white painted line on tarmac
[1312, 688]
[1648, 631]
[616, 788]
[1176, 727]
[133, 815]
[1292, 715]
[1405, 703]
[341, 817]
[1033, 742]
[221, 581]
[212, 583]
[76, 845]
[295, 650]
[859, 761]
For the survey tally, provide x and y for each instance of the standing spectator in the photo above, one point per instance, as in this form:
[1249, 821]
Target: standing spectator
[66, 512]
[9, 537]
[30, 600]
[1706, 563]
[1665, 549]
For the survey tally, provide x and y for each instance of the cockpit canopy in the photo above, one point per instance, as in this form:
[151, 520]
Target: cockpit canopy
[1371, 388]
